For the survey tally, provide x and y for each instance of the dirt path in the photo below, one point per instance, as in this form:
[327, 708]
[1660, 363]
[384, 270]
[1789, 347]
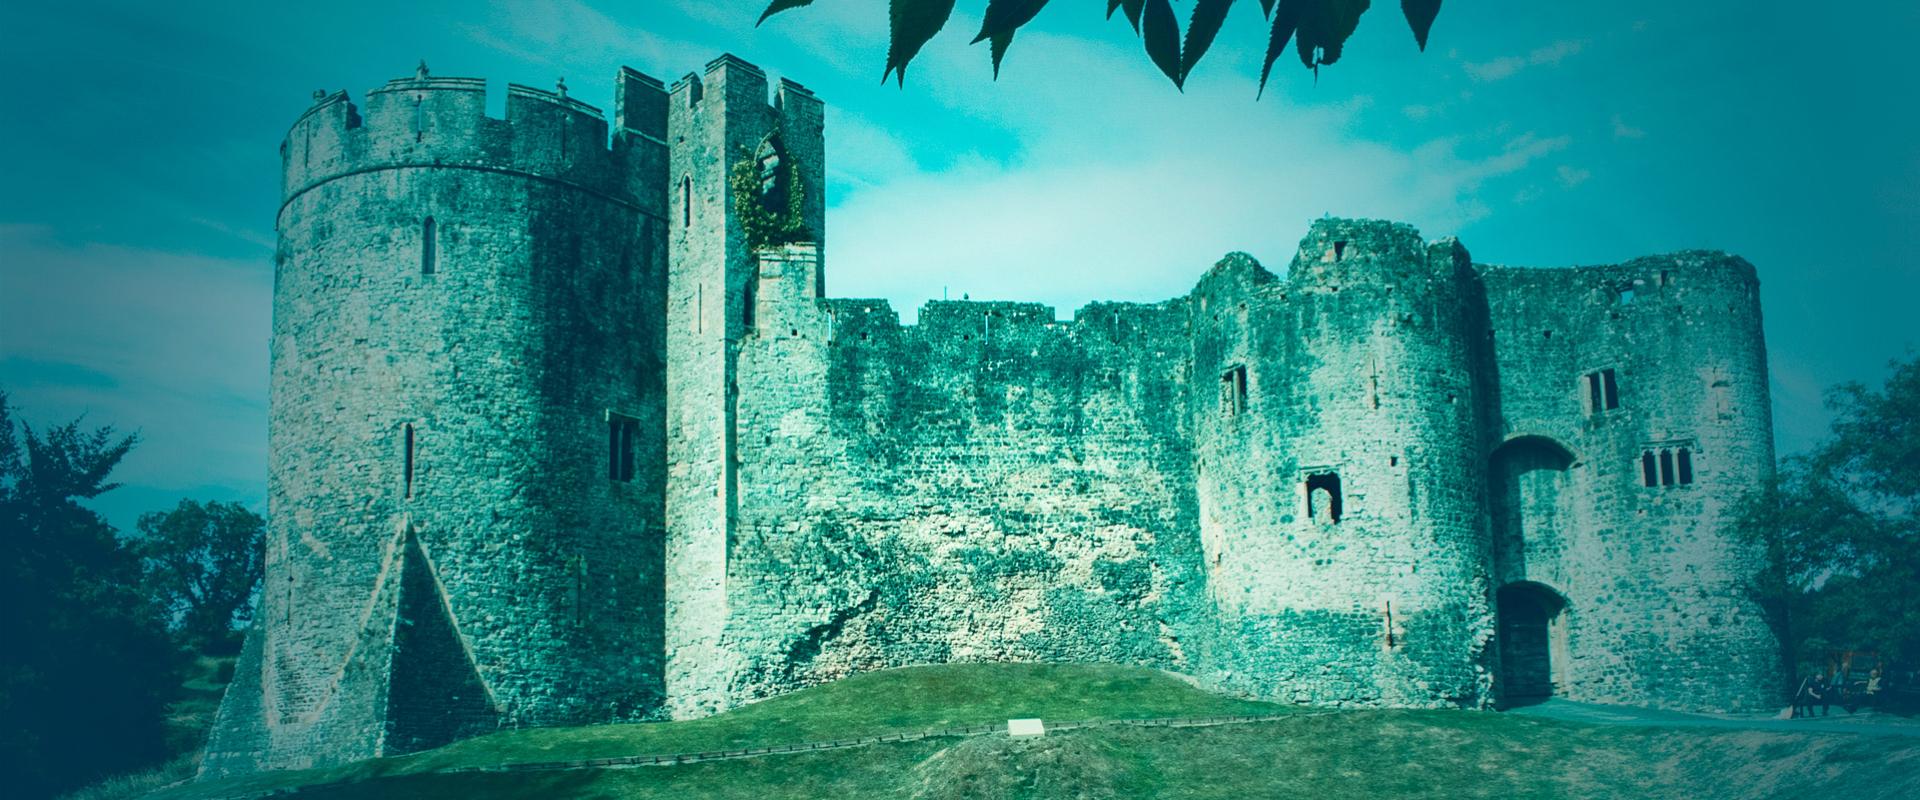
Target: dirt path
[1866, 722]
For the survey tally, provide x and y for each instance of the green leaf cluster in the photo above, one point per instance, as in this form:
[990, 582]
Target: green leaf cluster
[1840, 528]
[86, 666]
[768, 222]
[1318, 29]
[204, 562]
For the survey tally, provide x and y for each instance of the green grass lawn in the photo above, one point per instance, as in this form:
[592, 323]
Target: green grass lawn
[1357, 754]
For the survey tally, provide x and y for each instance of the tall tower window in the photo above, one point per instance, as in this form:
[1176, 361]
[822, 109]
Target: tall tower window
[408, 458]
[429, 246]
[686, 201]
[623, 433]
[1683, 465]
[1603, 391]
[1233, 391]
[1649, 472]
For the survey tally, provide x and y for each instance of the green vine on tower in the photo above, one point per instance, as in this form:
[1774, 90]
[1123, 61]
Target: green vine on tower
[768, 219]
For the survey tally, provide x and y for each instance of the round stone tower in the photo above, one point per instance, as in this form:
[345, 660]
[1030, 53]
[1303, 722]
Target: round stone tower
[466, 459]
[1340, 471]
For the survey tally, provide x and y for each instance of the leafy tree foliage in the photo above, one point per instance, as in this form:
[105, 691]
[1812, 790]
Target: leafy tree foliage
[1318, 29]
[203, 563]
[1841, 528]
[86, 666]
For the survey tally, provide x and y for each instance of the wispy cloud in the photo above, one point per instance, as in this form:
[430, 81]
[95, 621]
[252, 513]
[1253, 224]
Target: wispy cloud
[1105, 200]
[171, 345]
[571, 35]
[1621, 130]
[1508, 66]
[1571, 176]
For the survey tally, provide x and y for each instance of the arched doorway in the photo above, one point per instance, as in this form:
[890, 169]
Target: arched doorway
[1528, 474]
[1532, 639]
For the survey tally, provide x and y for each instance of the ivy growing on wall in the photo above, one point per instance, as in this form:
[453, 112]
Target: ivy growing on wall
[769, 219]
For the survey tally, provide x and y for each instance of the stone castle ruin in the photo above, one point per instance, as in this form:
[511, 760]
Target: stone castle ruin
[567, 432]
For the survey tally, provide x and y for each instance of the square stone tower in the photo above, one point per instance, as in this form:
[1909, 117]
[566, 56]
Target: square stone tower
[729, 146]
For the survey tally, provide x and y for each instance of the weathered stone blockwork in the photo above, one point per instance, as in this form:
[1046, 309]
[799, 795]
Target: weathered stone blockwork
[552, 443]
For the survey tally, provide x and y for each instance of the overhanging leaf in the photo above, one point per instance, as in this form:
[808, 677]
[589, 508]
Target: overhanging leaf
[1201, 28]
[1323, 29]
[912, 23]
[1284, 22]
[999, 48]
[1266, 8]
[1420, 15]
[1132, 7]
[1006, 16]
[778, 6]
[1162, 33]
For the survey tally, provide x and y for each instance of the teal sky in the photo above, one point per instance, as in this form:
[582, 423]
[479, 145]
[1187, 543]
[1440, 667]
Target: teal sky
[139, 157]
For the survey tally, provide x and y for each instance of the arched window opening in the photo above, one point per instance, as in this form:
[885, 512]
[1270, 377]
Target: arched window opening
[1649, 475]
[1683, 464]
[1323, 497]
[1666, 467]
[429, 246]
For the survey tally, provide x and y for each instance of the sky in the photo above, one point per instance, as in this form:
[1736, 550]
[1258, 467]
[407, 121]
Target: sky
[139, 168]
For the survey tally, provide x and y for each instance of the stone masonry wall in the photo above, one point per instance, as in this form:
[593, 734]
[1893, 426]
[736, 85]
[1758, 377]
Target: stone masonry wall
[1655, 611]
[1356, 368]
[989, 485]
[446, 391]
[550, 444]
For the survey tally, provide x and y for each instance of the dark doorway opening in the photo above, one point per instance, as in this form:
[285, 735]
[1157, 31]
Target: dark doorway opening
[1532, 643]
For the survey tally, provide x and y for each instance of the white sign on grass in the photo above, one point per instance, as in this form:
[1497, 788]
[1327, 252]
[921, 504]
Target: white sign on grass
[1025, 727]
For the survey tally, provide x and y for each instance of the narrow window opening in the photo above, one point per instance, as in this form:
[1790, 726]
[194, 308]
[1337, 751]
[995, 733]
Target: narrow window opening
[1233, 391]
[1611, 388]
[1666, 467]
[1593, 392]
[429, 246]
[686, 201]
[419, 119]
[1387, 615]
[407, 468]
[622, 434]
[1648, 476]
[1664, 278]
[1684, 464]
[1323, 497]
[1546, 334]
[1339, 250]
[747, 302]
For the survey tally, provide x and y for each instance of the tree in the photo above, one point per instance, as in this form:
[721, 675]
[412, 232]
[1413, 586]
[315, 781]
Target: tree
[86, 666]
[203, 563]
[1841, 528]
[1318, 29]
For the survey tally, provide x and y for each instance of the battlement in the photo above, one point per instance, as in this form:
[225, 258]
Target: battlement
[742, 79]
[434, 122]
[1684, 279]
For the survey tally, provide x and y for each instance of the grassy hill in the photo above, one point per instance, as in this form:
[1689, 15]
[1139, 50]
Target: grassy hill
[1354, 754]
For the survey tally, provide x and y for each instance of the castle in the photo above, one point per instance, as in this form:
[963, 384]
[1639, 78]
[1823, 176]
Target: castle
[565, 431]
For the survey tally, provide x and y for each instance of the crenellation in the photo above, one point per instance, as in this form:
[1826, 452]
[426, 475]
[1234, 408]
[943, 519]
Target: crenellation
[557, 439]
